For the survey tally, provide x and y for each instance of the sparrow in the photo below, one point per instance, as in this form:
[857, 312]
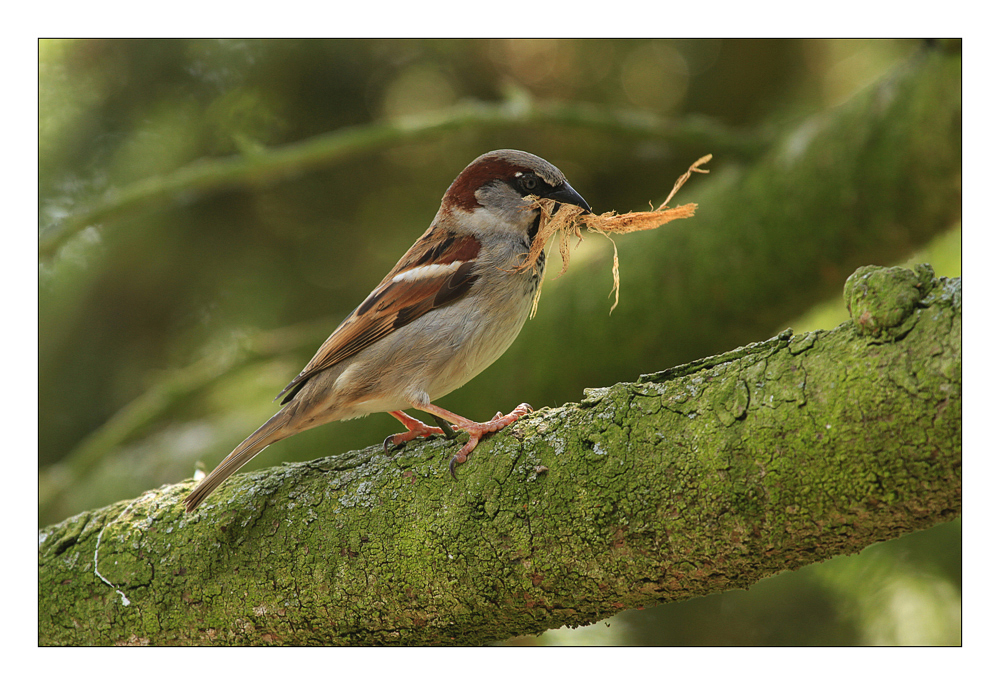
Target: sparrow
[449, 308]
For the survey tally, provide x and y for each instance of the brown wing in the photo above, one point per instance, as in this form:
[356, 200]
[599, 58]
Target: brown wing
[434, 272]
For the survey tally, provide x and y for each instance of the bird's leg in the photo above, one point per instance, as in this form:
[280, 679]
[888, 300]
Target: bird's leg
[476, 431]
[446, 428]
[414, 429]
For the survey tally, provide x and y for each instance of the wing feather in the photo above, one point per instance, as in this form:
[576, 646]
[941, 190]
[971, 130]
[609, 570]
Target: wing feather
[400, 299]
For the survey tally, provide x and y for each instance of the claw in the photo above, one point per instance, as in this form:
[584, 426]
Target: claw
[455, 461]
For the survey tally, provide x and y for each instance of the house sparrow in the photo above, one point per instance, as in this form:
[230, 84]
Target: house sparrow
[448, 309]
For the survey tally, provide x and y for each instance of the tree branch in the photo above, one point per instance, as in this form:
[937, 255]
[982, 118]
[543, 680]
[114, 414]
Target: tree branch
[268, 166]
[691, 481]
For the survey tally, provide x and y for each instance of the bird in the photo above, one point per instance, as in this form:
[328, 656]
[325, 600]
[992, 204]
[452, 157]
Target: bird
[450, 307]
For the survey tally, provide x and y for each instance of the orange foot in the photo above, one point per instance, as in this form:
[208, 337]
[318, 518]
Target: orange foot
[476, 431]
[414, 429]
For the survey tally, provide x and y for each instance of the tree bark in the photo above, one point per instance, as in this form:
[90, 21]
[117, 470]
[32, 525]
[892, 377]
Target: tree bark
[693, 480]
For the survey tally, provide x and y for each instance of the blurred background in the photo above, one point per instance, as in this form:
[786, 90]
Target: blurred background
[169, 322]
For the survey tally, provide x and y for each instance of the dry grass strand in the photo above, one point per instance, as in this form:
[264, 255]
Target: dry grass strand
[567, 219]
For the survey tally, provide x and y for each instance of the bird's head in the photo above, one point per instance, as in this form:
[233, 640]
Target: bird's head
[493, 193]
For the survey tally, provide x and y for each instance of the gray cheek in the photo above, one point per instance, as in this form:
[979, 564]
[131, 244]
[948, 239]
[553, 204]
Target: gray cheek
[506, 205]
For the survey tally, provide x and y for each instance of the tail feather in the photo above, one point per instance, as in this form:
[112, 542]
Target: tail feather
[267, 434]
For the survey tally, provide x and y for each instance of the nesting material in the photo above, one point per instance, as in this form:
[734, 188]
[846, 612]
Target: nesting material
[568, 219]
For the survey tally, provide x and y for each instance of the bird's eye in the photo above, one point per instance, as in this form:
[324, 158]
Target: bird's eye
[529, 182]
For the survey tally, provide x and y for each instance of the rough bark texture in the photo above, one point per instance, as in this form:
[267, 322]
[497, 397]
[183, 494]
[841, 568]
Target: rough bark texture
[690, 481]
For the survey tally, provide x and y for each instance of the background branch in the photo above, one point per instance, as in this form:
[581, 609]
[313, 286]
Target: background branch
[171, 390]
[867, 182]
[688, 482]
[257, 166]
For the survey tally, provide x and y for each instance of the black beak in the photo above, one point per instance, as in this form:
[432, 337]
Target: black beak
[566, 194]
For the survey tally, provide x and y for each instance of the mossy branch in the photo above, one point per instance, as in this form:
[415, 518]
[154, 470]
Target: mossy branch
[691, 481]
